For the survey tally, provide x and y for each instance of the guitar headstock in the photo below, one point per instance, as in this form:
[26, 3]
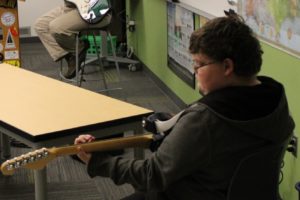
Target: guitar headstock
[37, 159]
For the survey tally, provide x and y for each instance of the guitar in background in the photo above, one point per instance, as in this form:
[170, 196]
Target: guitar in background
[92, 11]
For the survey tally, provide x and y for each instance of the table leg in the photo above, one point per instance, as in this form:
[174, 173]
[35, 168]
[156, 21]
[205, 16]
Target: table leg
[139, 153]
[40, 181]
[5, 146]
[0, 144]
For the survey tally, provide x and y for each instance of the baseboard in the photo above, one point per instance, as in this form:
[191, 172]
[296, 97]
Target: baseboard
[163, 86]
[29, 39]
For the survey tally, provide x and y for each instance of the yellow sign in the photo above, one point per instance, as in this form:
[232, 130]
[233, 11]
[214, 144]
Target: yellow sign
[13, 62]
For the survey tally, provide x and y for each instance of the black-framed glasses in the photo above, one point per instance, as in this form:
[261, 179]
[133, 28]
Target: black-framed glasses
[199, 65]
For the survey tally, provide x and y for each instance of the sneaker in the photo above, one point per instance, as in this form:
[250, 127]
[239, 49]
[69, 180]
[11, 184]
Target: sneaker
[71, 60]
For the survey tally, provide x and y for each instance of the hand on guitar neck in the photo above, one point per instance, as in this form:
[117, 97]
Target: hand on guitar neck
[84, 156]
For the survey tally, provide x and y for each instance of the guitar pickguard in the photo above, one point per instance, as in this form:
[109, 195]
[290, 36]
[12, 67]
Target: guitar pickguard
[92, 11]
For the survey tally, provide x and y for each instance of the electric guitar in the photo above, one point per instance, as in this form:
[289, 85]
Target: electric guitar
[38, 159]
[92, 11]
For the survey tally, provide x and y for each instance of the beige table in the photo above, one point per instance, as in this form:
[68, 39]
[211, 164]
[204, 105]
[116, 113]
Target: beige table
[44, 112]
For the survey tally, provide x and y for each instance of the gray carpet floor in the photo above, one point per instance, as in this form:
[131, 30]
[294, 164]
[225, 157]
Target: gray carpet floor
[67, 179]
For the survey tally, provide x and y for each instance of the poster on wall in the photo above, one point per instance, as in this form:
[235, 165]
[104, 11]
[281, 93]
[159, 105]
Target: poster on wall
[275, 22]
[9, 33]
[180, 27]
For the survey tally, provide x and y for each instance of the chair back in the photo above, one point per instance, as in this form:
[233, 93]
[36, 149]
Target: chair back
[257, 175]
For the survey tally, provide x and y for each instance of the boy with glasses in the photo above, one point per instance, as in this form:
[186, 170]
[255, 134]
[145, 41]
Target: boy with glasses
[239, 113]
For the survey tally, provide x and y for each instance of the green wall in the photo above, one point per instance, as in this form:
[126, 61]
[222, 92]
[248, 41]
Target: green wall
[149, 42]
[286, 69]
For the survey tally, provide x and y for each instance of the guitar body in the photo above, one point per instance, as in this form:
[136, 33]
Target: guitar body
[92, 11]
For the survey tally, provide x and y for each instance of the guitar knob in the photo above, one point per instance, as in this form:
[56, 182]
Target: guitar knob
[10, 167]
[32, 158]
[25, 161]
[45, 152]
[17, 164]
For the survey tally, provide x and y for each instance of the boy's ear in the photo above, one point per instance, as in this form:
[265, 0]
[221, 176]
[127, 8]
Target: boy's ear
[228, 66]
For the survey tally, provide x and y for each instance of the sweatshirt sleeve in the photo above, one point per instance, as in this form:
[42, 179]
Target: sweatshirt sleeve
[184, 151]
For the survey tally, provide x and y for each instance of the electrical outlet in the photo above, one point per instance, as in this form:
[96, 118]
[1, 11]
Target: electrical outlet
[293, 145]
[131, 25]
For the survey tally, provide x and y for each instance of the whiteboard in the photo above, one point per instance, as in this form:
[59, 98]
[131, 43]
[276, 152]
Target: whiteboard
[208, 8]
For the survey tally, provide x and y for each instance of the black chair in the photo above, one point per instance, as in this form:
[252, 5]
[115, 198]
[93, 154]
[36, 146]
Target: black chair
[297, 186]
[257, 175]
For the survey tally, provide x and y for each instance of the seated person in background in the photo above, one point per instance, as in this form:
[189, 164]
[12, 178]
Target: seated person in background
[57, 28]
[239, 113]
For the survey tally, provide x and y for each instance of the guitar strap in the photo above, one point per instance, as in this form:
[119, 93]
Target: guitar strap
[164, 126]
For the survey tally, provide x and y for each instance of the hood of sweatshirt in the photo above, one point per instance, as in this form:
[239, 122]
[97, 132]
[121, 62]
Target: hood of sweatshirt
[253, 108]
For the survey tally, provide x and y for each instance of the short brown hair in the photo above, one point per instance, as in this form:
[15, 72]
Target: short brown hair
[229, 37]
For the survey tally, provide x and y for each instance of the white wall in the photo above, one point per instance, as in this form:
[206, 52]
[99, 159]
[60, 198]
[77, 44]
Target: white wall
[30, 10]
[212, 7]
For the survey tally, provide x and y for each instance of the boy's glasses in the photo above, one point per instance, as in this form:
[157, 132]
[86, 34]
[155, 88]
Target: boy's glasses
[199, 65]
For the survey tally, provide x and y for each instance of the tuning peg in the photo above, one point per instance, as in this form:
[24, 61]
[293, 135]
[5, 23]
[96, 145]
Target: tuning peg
[41, 153]
[10, 166]
[39, 156]
[24, 159]
[17, 164]
[45, 152]
[32, 157]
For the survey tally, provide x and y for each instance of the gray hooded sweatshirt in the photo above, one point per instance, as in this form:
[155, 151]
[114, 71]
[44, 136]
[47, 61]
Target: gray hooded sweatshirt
[198, 157]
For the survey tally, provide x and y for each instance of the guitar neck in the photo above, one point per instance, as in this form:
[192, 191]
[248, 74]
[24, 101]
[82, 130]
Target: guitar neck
[142, 141]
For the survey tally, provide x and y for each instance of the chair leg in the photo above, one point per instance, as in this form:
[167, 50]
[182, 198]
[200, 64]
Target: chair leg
[100, 62]
[103, 54]
[81, 79]
[61, 69]
[114, 55]
[77, 60]
[78, 79]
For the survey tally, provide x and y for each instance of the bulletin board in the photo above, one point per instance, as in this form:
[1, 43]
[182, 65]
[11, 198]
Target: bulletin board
[180, 28]
[9, 33]
[181, 24]
[183, 18]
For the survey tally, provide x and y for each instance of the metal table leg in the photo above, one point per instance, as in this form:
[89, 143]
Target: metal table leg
[40, 181]
[1, 142]
[5, 146]
[139, 153]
